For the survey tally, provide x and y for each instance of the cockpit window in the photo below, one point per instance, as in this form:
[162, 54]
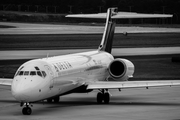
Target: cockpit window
[26, 73]
[44, 73]
[21, 68]
[17, 73]
[21, 72]
[33, 73]
[39, 73]
[36, 68]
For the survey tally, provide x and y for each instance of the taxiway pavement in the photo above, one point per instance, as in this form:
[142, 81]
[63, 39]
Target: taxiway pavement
[32, 54]
[130, 104]
[25, 28]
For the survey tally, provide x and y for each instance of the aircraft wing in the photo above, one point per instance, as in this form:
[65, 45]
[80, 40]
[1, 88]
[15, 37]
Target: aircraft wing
[5, 83]
[120, 15]
[131, 84]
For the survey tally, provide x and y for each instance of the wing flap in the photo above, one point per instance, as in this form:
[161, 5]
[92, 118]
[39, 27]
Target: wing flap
[132, 84]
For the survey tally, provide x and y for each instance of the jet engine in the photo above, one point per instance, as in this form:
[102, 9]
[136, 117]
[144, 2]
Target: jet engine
[121, 69]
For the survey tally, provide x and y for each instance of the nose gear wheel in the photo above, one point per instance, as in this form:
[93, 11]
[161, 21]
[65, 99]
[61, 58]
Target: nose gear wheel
[26, 110]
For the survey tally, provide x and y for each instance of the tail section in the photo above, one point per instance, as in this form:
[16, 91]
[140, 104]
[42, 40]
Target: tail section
[108, 35]
[111, 16]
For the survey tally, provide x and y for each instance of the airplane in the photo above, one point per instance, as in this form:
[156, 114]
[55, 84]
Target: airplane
[51, 77]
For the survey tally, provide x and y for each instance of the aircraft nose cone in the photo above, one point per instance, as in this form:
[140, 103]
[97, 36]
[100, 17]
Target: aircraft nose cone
[20, 92]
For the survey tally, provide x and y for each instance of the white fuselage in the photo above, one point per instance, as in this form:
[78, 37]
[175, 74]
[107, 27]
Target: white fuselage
[53, 76]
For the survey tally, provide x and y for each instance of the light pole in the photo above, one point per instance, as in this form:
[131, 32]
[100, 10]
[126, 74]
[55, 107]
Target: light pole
[19, 7]
[37, 8]
[163, 7]
[163, 10]
[55, 9]
[28, 7]
[46, 9]
[130, 10]
[100, 9]
[70, 8]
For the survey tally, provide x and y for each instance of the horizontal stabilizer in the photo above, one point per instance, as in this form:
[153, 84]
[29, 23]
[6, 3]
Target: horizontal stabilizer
[120, 15]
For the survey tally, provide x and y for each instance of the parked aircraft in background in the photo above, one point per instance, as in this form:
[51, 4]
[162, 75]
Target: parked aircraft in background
[51, 77]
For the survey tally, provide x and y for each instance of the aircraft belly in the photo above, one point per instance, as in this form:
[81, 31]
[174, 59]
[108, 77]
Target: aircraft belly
[62, 88]
[67, 83]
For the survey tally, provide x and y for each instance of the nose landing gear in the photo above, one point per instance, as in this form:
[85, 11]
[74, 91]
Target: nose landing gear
[26, 110]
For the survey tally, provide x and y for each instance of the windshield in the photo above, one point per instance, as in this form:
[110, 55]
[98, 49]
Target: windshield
[31, 73]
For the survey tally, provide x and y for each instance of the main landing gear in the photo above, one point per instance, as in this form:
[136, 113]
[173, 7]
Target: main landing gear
[26, 110]
[103, 96]
[55, 100]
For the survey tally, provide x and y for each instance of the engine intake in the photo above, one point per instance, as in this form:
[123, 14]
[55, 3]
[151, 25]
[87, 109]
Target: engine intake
[121, 69]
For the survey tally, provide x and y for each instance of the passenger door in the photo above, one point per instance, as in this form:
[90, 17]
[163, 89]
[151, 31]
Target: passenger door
[51, 75]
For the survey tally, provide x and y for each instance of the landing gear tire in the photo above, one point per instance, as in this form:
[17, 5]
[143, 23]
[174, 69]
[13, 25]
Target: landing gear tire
[106, 98]
[26, 111]
[103, 97]
[49, 100]
[56, 99]
[99, 98]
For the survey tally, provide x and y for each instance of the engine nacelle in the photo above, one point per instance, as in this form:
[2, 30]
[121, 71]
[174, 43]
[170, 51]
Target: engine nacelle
[121, 69]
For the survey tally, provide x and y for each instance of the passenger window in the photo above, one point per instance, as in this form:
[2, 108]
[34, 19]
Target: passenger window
[44, 73]
[33, 73]
[39, 73]
[26, 73]
[21, 72]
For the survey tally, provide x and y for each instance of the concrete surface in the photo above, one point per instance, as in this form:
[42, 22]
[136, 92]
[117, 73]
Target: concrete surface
[31, 54]
[25, 28]
[130, 104]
